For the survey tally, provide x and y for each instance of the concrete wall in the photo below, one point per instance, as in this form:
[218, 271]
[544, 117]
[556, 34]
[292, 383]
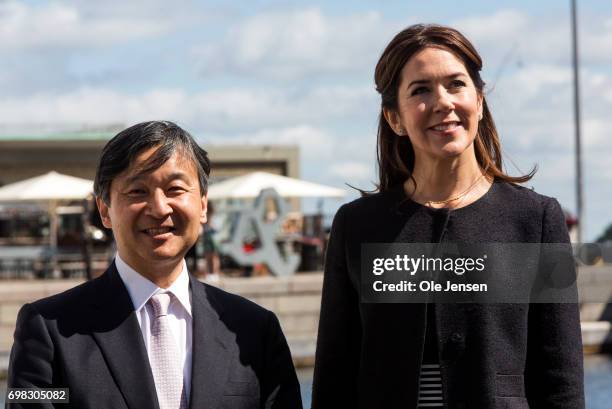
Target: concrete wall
[595, 284]
[295, 300]
[13, 294]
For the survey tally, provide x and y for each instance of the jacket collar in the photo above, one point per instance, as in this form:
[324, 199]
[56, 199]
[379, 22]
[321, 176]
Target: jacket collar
[118, 335]
[212, 352]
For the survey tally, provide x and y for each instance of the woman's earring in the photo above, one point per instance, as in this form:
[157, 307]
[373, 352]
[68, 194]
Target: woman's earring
[400, 132]
[480, 116]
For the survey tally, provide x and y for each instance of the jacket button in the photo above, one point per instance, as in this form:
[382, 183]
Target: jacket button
[456, 337]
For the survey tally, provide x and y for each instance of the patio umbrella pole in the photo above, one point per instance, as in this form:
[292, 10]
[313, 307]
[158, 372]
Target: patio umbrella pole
[53, 230]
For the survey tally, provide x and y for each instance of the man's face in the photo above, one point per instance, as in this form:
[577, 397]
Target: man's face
[155, 217]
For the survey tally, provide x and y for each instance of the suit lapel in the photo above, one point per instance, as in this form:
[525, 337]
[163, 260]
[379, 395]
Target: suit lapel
[117, 333]
[211, 349]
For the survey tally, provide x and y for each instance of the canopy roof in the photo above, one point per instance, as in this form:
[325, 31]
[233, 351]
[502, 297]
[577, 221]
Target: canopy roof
[47, 187]
[249, 186]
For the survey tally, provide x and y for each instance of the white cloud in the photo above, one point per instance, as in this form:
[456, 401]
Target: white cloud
[248, 109]
[229, 110]
[24, 26]
[534, 108]
[596, 134]
[314, 143]
[497, 27]
[518, 90]
[90, 106]
[352, 170]
[595, 40]
[514, 36]
[288, 45]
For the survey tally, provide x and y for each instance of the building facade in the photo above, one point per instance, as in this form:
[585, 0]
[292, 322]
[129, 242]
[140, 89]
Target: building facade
[77, 154]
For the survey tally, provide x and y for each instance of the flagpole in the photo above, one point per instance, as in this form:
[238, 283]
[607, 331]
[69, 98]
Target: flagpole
[578, 150]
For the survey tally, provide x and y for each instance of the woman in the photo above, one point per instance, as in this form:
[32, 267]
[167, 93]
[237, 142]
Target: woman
[441, 180]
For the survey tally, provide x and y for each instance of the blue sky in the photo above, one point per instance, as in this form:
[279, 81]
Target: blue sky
[301, 73]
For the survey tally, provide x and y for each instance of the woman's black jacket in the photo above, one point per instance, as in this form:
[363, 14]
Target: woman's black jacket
[491, 355]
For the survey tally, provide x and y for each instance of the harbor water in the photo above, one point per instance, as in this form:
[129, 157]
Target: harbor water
[597, 382]
[597, 377]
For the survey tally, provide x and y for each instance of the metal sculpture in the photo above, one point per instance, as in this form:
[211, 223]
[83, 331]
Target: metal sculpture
[257, 220]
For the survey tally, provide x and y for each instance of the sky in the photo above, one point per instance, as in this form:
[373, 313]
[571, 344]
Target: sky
[295, 72]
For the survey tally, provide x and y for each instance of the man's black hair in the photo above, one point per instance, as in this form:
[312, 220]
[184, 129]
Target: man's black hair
[121, 151]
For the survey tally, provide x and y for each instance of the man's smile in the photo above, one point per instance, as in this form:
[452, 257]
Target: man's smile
[159, 232]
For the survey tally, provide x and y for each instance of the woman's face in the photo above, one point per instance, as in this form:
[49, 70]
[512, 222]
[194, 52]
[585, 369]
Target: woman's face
[438, 105]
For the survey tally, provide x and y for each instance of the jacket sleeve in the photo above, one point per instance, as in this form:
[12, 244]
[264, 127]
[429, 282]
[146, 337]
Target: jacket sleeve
[335, 382]
[281, 389]
[31, 359]
[554, 371]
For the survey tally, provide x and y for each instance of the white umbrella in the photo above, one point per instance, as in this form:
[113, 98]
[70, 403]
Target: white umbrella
[48, 188]
[249, 186]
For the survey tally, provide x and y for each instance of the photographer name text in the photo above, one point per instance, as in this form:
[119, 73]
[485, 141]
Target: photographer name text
[428, 286]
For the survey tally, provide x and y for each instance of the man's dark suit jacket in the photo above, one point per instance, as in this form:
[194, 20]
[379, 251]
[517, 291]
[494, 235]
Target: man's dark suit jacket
[88, 339]
[505, 356]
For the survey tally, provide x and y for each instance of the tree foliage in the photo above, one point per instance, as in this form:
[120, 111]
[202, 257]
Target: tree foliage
[606, 235]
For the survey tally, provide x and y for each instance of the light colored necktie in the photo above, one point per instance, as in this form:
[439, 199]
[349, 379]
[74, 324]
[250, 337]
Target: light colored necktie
[165, 357]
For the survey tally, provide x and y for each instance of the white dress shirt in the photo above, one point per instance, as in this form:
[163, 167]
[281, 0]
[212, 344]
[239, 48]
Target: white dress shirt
[179, 311]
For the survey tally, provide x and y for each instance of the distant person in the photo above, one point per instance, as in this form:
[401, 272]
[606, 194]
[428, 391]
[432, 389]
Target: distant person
[191, 257]
[441, 180]
[211, 248]
[147, 334]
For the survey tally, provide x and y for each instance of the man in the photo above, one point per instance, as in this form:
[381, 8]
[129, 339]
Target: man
[146, 334]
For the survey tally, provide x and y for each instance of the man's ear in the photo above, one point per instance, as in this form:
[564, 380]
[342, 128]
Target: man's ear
[103, 210]
[203, 217]
[393, 120]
